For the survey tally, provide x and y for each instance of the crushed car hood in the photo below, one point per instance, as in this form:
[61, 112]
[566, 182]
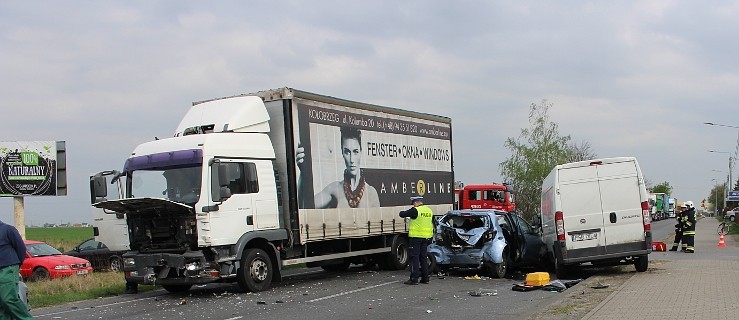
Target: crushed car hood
[144, 205]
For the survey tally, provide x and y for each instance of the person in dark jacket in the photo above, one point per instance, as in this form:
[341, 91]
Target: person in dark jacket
[689, 227]
[679, 229]
[12, 254]
[420, 232]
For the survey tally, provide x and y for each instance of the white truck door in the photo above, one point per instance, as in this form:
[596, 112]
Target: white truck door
[580, 201]
[620, 195]
[252, 205]
[109, 227]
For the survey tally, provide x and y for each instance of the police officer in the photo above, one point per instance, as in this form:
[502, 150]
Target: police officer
[12, 254]
[689, 227]
[420, 232]
[679, 229]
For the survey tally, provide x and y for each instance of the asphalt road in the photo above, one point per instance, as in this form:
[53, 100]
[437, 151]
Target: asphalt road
[316, 294]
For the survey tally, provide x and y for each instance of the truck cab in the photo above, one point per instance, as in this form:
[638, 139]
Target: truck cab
[485, 196]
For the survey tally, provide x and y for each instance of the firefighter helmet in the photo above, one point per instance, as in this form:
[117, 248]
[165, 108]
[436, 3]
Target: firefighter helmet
[689, 204]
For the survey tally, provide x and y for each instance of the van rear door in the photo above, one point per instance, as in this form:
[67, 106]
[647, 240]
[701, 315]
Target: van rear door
[621, 202]
[581, 209]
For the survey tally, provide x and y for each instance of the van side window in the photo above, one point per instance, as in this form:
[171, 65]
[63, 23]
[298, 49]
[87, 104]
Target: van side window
[242, 177]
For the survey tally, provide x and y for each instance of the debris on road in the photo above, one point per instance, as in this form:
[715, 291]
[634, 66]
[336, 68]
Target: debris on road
[600, 286]
[483, 292]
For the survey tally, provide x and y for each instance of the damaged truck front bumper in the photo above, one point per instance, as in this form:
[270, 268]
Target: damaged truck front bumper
[169, 268]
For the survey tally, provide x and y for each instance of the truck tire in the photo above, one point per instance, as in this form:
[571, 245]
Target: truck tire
[176, 288]
[397, 259]
[641, 263]
[255, 273]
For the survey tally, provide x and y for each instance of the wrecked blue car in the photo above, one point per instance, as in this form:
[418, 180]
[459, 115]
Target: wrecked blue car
[491, 240]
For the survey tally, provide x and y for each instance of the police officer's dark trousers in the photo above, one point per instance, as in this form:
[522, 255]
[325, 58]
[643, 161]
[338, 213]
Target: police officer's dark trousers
[418, 259]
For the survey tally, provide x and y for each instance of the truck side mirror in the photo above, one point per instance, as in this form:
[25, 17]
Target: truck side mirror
[99, 187]
[219, 182]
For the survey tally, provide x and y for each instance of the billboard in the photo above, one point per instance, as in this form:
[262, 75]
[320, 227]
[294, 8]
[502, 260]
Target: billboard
[355, 158]
[32, 168]
[733, 196]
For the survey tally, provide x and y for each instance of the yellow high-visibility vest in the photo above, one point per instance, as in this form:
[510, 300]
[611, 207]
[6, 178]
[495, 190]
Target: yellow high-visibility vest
[422, 226]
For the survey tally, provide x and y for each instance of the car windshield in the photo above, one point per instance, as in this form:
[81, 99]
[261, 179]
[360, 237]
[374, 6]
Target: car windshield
[41, 250]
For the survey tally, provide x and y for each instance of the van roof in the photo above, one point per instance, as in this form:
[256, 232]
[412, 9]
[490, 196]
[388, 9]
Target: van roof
[595, 161]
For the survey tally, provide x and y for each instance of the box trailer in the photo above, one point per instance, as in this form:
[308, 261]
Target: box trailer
[252, 183]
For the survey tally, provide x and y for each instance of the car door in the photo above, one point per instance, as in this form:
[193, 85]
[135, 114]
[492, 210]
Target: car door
[529, 240]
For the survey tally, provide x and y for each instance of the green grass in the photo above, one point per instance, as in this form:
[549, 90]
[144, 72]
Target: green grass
[61, 238]
[77, 288]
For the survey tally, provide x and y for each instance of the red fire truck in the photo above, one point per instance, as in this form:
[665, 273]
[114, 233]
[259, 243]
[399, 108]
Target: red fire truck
[484, 196]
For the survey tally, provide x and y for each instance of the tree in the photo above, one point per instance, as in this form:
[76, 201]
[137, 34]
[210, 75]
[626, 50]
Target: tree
[716, 198]
[533, 155]
[663, 187]
[581, 152]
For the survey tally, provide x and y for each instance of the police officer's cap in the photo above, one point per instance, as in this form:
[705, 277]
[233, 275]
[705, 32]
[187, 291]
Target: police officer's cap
[417, 198]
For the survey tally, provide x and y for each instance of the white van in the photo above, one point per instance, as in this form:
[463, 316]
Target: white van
[596, 211]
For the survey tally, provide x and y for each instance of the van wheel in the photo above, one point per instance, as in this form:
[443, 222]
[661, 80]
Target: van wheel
[641, 263]
[560, 270]
[397, 259]
[255, 273]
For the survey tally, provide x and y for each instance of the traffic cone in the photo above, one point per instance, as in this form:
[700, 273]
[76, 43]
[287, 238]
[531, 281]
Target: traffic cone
[721, 242]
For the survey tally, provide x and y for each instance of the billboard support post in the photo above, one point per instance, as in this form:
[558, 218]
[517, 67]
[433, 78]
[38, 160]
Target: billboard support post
[20, 220]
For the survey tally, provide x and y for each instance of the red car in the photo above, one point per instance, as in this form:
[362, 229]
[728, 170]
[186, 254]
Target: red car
[44, 262]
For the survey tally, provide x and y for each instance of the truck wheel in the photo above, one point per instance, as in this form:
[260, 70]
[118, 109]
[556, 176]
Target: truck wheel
[560, 269]
[255, 273]
[397, 259]
[176, 288]
[641, 263]
[115, 264]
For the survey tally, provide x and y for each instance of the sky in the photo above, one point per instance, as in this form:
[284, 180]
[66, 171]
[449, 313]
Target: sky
[632, 78]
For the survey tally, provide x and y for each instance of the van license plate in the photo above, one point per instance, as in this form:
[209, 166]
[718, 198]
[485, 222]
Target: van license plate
[584, 236]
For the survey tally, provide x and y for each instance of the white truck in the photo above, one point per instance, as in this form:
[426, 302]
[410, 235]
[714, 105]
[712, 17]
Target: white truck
[252, 183]
[596, 211]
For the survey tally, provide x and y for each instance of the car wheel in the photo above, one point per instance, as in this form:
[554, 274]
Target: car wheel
[40, 274]
[255, 273]
[732, 218]
[115, 264]
[433, 268]
[176, 288]
[641, 263]
[499, 270]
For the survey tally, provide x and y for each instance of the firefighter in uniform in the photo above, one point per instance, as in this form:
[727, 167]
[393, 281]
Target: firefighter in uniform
[679, 229]
[420, 232]
[689, 227]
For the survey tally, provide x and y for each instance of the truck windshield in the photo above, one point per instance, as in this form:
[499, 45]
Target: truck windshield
[173, 175]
